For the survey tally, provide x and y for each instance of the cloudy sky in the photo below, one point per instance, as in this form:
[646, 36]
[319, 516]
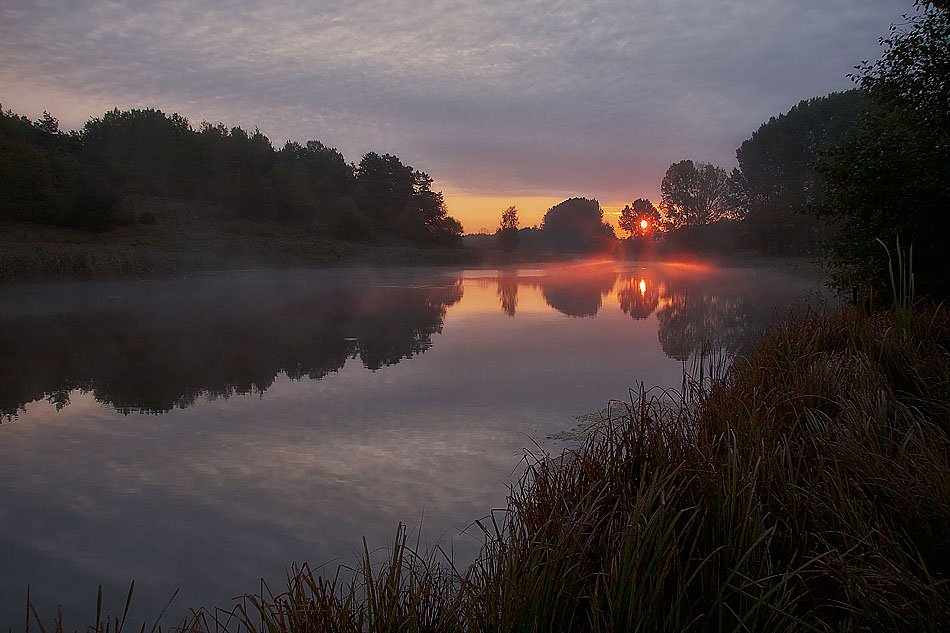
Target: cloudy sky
[501, 101]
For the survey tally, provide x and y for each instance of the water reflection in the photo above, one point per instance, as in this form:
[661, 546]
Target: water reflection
[695, 306]
[155, 346]
[638, 297]
[390, 396]
[579, 292]
[721, 309]
[162, 345]
[508, 292]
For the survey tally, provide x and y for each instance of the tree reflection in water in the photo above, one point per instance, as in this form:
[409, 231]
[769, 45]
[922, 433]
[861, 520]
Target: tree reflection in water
[638, 294]
[718, 309]
[508, 292]
[579, 292]
[697, 307]
[692, 318]
[156, 346]
[225, 337]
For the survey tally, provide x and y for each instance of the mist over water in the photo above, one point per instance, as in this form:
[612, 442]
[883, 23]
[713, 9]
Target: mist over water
[201, 433]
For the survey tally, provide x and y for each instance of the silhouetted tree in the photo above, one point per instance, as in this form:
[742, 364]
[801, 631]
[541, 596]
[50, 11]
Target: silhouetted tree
[48, 124]
[401, 202]
[892, 179]
[631, 217]
[577, 225]
[694, 195]
[776, 178]
[44, 179]
[442, 228]
[509, 218]
[508, 229]
[73, 179]
[142, 146]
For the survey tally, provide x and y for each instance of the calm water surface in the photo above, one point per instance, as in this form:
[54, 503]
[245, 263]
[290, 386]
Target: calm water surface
[202, 433]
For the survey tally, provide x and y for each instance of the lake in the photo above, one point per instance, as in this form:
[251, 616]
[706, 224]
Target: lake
[204, 432]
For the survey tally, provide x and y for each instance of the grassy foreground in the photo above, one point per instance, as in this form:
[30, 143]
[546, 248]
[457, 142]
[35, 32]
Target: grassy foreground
[808, 489]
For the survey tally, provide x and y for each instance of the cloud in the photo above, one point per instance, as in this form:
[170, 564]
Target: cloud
[493, 96]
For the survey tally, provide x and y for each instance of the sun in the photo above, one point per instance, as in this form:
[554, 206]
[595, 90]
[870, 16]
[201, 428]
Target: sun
[644, 224]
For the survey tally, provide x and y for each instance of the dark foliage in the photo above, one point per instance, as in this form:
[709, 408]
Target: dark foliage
[75, 179]
[694, 194]
[399, 201]
[723, 237]
[632, 216]
[892, 179]
[43, 177]
[776, 178]
[577, 225]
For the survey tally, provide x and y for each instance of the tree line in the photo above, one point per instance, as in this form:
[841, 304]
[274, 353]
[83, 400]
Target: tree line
[84, 179]
[853, 176]
[863, 174]
[760, 207]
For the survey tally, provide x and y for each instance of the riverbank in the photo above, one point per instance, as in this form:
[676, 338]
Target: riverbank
[807, 489]
[174, 238]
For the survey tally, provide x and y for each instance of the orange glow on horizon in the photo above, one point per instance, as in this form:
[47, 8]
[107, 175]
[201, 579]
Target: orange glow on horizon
[477, 212]
[483, 212]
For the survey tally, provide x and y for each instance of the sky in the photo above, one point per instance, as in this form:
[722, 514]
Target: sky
[501, 101]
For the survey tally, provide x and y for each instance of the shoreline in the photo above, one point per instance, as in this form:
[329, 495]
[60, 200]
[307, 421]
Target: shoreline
[187, 244]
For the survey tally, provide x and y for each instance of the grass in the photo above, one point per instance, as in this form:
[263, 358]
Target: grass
[806, 488]
[182, 238]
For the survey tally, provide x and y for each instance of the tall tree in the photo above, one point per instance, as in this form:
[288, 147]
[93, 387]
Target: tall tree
[401, 202]
[694, 194]
[509, 218]
[776, 179]
[508, 229]
[892, 179]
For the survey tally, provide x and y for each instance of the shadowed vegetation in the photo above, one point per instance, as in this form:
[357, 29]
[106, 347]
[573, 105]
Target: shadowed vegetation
[776, 180]
[131, 169]
[891, 180]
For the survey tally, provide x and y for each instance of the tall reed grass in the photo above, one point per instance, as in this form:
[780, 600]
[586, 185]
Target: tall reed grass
[807, 488]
